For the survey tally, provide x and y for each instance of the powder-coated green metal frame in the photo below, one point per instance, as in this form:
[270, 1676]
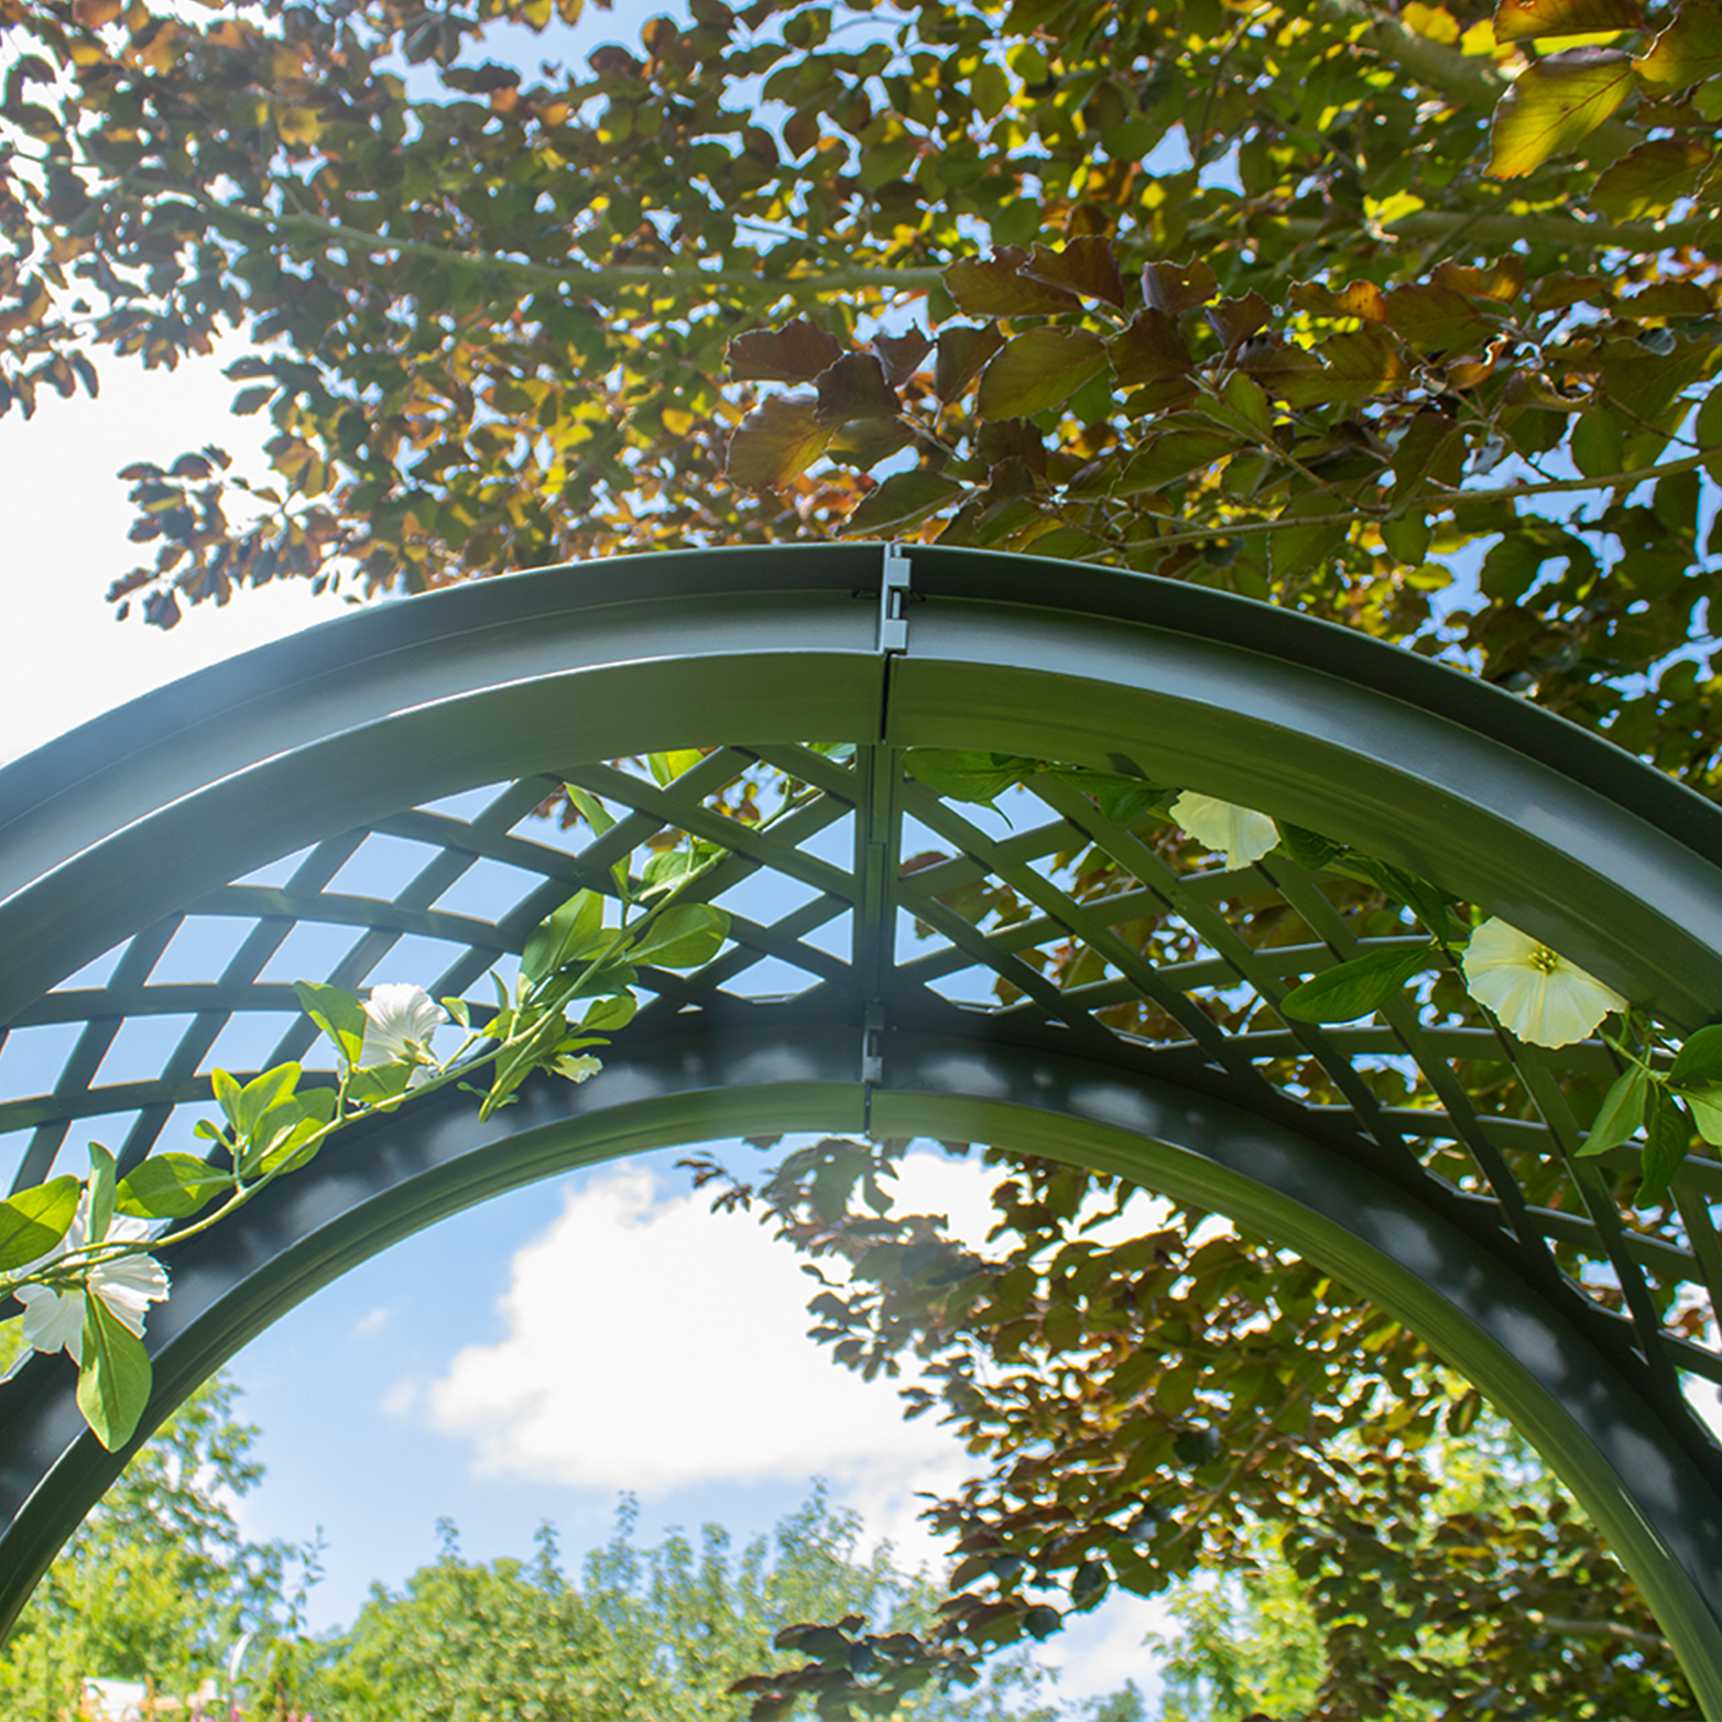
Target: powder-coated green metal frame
[157, 809]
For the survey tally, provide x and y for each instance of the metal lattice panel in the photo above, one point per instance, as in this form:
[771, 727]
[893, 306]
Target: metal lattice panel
[921, 933]
[1173, 966]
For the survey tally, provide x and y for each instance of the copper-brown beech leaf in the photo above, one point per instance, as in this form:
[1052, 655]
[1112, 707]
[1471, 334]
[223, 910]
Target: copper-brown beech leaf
[1354, 366]
[1689, 49]
[855, 388]
[1430, 455]
[1554, 104]
[901, 500]
[1149, 350]
[796, 353]
[902, 354]
[1309, 537]
[1666, 299]
[1039, 369]
[1235, 320]
[996, 287]
[1086, 266]
[1175, 287]
[963, 349]
[1171, 455]
[1356, 299]
[1650, 179]
[1563, 288]
[1520, 20]
[1436, 318]
[1281, 369]
[1502, 280]
[776, 443]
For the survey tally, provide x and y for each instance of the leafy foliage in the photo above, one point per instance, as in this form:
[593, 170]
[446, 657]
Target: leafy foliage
[159, 1581]
[640, 1634]
[1298, 301]
[1151, 1395]
[1305, 302]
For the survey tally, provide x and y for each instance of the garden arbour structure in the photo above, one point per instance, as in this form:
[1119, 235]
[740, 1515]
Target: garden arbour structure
[1465, 1217]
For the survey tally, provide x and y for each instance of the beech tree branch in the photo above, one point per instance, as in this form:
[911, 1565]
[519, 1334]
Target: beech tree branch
[1434, 503]
[596, 279]
[1598, 1629]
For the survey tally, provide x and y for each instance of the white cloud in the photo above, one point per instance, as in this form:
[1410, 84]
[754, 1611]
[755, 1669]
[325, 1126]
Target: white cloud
[649, 1344]
[1099, 1652]
[401, 1398]
[66, 521]
[372, 1322]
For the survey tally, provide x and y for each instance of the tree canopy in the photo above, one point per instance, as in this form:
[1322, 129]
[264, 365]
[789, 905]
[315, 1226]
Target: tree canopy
[1300, 301]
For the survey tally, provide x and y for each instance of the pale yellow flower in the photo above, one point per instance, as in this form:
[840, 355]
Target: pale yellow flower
[1240, 834]
[1536, 992]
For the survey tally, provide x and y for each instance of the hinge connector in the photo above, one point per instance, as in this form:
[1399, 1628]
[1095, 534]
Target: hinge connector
[872, 1060]
[873, 1045]
[894, 601]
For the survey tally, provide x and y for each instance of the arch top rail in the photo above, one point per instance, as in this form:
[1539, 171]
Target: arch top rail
[899, 959]
[1407, 758]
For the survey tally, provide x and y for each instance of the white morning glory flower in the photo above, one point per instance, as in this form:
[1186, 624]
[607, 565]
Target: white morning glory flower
[400, 1018]
[577, 1069]
[127, 1286]
[1536, 992]
[1240, 834]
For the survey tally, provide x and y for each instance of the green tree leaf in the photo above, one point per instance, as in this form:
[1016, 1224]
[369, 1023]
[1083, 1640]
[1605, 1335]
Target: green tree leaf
[1688, 50]
[776, 443]
[1554, 104]
[1522, 20]
[900, 501]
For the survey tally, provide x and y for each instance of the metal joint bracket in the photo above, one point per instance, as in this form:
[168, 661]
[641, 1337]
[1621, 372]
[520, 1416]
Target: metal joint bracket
[873, 1044]
[894, 601]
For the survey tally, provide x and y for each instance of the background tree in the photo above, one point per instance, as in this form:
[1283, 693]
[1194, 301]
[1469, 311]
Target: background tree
[642, 1634]
[159, 1581]
[1298, 301]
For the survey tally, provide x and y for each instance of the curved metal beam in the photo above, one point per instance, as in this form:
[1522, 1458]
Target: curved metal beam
[129, 816]
[1455, 1287]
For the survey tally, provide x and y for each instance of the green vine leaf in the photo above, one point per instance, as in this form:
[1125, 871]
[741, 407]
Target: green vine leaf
[35, 1220]
[684, 936]
[1621, 1113]
[1352, 989]
[171, 1187]
[114, 1378]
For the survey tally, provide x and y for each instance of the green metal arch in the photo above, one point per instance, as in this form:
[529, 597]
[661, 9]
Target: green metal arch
[152, 809]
